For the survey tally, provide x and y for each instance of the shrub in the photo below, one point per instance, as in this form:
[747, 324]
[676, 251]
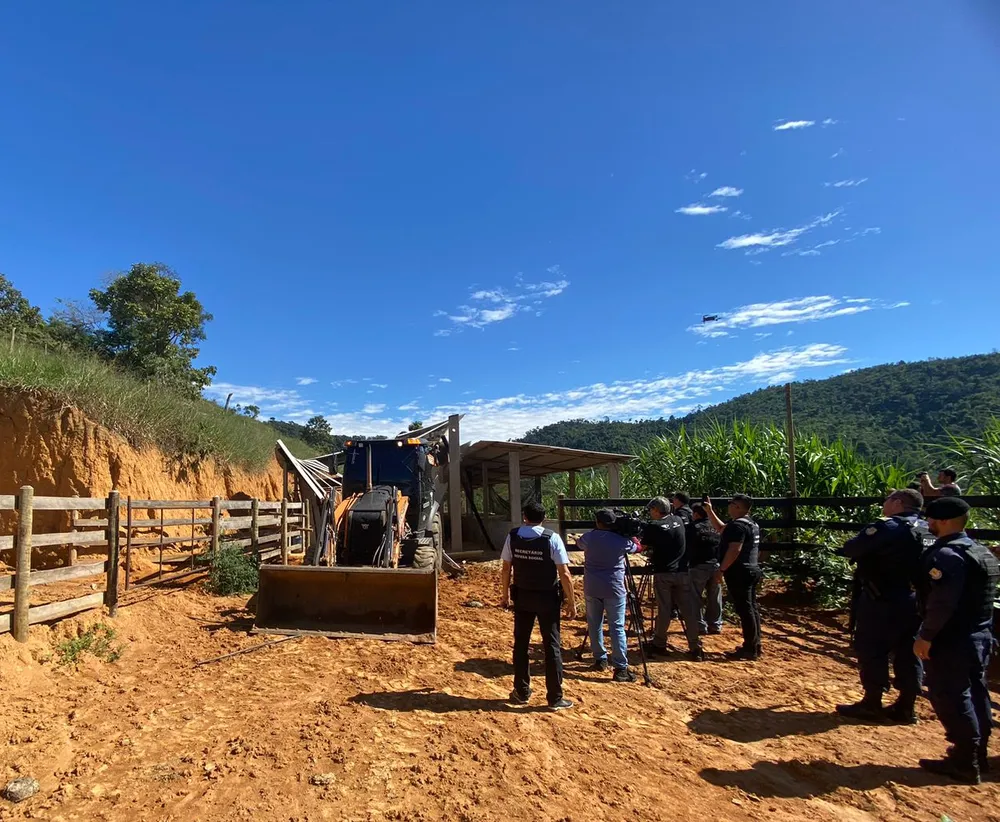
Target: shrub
[232, 572]
[97, 640]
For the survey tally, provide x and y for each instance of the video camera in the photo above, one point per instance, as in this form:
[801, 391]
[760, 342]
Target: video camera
[627, 525]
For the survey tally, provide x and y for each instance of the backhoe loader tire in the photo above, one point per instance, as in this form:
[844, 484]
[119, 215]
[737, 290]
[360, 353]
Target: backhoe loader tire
[426, 555]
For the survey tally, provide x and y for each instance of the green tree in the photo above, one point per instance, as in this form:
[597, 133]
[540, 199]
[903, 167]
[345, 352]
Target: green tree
[416, 425]
[15, 310]
[252, 411]
[317, 431]
[153, 328]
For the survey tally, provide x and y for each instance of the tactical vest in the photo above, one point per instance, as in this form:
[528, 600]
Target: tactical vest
[890, 571]
[531, 558]
[750, 556]
[982, 575]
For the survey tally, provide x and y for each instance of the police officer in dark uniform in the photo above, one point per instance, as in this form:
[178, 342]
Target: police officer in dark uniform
[740, 568]
[536, 559]
[703, 546]
[884, 607]
[957, 590]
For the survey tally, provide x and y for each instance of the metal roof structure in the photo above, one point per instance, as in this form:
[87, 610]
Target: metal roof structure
[534, 460]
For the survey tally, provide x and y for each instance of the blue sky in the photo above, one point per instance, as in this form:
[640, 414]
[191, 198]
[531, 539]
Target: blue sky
[519, 211]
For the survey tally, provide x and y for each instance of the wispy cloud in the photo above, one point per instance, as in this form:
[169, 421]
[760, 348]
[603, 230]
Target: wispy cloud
[444, 379]
[838, 153]
[695, 176]
[373, 408]
[380, 385]
[510, 416]
[762, 241]
[493, 305]
[726, 191]
[305, 380]
[286, 404]
[829, 121]
[697, 209]
[846, 183]
[781, 312]
[742, 215]
[787, 125]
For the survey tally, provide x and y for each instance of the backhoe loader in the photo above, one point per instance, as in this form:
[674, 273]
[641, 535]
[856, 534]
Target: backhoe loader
[373, 569]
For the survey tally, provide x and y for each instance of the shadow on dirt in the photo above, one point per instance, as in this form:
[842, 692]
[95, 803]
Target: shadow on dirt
[796, 779]
[492, 668]
[756, 724]
[237, 620]
[423, 699]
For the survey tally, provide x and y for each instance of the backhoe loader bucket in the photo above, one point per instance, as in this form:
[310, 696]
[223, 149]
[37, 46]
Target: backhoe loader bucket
[397, 604]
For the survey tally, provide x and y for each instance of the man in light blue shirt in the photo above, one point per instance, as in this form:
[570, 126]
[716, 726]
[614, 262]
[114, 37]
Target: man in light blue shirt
[604, 554]
[535, 579]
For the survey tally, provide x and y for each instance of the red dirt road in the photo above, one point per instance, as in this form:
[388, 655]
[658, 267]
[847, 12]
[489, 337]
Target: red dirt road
[424, 733]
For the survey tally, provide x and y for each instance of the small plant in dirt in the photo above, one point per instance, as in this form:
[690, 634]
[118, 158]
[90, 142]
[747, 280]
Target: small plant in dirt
[232, 572]
[98, 640]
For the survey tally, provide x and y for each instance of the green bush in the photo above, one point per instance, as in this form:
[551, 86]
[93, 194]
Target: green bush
[97, 640]
[233, 572]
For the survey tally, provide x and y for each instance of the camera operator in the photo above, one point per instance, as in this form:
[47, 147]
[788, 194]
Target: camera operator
[604, 553]
[740, 568]
[663, 538]
[946, 487]
[703, 555]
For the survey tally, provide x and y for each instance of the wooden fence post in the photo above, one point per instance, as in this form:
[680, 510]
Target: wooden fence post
[254, 526]
[111, 589]
[22, 591]
[128, 542]
[71, 555]
[561, 514]
[284, 532]
[216, 525]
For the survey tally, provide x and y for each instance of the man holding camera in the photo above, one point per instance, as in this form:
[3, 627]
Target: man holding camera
[604, 553]
[536, 559]
[740, 569]
[884, 607]
[947, 484]
[664, 542]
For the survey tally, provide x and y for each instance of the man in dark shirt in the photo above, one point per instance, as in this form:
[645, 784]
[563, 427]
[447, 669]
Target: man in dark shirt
[884, 607]
[957, 590]
[703, 555]
[663, 539]
[740, 569]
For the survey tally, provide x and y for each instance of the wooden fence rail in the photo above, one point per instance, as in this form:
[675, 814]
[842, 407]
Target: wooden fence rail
[267, 529]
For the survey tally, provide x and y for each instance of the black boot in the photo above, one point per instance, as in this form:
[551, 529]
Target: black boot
[869, 709]
[960, 768]
[901, 712]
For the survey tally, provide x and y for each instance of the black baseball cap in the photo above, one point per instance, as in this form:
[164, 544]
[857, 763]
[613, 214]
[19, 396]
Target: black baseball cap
[605, 516]
[947, 508]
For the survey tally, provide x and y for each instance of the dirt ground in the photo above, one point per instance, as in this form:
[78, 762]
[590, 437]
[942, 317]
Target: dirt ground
[402, 732]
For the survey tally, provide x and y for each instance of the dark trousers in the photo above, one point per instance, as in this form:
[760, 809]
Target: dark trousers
[885, 629]
[956, 687]
[741, 583]
[547, 615]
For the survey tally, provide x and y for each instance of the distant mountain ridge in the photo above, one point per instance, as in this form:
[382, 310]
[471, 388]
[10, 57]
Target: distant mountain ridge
[901, 412]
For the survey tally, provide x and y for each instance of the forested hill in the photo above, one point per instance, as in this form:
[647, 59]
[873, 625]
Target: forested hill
[894, 412]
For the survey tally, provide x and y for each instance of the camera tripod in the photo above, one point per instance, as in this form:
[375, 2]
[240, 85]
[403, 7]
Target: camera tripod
[633, 619]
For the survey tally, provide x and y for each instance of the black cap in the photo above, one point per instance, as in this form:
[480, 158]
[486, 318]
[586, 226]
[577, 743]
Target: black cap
[605, 516]
[947, 508]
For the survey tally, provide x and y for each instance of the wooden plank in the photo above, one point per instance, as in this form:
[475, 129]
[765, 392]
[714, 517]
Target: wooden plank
[284, 527]
[237, 523]
[58, 610]
[168, 504]
[155, 523]
[268, 506]
[6, 502]
[420, 639]
[235, 505]
[6, 543]
[90, 523]
[4, 623]
[270, 553]
[216, 528]
[269, 538]
[46, 540]
[89, 569]
[295, 506]
[147, 543]
[69, 503]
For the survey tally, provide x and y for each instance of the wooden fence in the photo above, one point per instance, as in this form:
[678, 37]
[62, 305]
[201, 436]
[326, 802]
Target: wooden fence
[781, 533]
[264, 528]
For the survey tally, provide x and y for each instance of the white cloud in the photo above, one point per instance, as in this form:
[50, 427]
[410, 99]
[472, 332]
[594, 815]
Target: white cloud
[373, 408]
[781, 312]
[742, 215]
[380, 385]
[846, 183]
[286, 404]
[695, 176]
[794, 124]
[839, 152]
[305, 380]
[778, 237]
[726, 191]
[410, 406]
[494, 305]
[444, 379]
[829, 121]
[700, 208]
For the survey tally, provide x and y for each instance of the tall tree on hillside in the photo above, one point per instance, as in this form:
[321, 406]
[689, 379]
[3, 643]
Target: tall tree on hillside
[15, 310]
[317, 431]
[153, 328]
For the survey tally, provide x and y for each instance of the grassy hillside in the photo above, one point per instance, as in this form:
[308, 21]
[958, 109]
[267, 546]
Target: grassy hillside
[142, 412]
[901, 412]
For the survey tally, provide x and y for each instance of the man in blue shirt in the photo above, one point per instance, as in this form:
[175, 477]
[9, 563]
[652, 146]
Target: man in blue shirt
[536, 559]
[604, 588]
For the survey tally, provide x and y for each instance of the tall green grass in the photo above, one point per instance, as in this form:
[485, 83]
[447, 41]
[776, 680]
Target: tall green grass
[142, 412]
